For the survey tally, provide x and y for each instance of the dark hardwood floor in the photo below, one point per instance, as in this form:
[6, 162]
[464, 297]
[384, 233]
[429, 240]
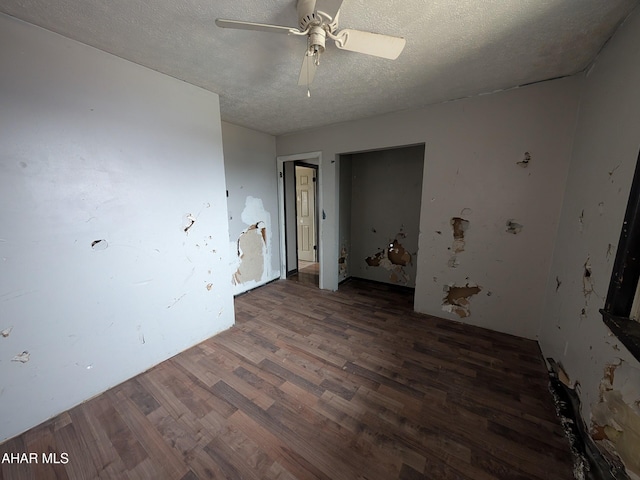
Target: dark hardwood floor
[312, 384]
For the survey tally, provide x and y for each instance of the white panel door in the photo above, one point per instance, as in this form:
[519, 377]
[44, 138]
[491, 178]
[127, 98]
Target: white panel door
[306, 213]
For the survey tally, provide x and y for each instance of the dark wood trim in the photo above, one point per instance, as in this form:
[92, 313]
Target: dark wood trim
[627, 331]
[626, 274]
[626, 268]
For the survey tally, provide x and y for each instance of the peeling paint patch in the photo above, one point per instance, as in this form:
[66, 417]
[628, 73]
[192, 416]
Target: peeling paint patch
[513, 227]
[393, 258]
[189, 221]
[524, 163]
[6, 332]
[342, 262]
[22, 357]
[209, 286]
[456, 298]
[459, 226]
[98, 245]
[615, 419]
[251, 250]
[397, 254]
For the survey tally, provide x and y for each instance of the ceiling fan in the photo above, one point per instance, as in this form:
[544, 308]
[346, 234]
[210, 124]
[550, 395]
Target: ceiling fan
[318, 19]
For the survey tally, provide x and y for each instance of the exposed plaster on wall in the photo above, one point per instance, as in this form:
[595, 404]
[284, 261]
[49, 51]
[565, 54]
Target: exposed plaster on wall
[456, 299]
[615, 419]
[459, 226]
[393, 258]
[342, 262]
[251, 250]
[6, 332]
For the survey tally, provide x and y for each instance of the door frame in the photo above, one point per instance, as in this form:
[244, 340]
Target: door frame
[311, 159]
[316, 226]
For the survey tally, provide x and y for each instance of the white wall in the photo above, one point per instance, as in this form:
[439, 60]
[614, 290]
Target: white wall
[250, 171]
[97, 148]
[607, 142]
[470, 170]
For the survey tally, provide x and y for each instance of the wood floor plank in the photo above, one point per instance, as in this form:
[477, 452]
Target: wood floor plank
[311, 384]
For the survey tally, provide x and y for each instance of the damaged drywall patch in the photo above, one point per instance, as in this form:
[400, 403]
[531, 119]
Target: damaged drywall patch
[615, 419]
[459, 226]
[456, 299]
[98, 245]
[397, 254]
[587, 281]
[251, 250]
[513, 227]
[6, 332]
[393, 258]
[524, 163]
[22, 357]
[342, 262]
[188, 222]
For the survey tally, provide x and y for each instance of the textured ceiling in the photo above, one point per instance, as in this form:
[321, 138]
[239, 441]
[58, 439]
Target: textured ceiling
[454, 49]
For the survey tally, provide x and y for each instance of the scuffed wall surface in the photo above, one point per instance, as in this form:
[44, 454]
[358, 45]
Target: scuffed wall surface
[250, 172]
[385, 214]
[114, 243]
[471, 171]
[606, 148]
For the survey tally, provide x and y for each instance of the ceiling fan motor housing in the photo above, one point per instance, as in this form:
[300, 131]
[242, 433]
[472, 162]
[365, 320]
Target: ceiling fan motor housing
[307, 16]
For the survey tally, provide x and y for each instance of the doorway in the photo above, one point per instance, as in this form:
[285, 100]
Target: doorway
[301, 229]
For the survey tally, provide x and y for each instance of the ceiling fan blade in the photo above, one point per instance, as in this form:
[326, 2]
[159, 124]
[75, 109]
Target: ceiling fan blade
[330, 7]
[375, 44]
[308, 70]
[260, 27]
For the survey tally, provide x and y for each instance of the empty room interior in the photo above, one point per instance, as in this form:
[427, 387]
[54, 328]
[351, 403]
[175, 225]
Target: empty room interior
[254, 240]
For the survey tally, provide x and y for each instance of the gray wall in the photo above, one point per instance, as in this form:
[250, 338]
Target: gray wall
[471, 171]
[386, 190]
[97, 148]
[250, 172]
[607, 142]
[344, 244]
